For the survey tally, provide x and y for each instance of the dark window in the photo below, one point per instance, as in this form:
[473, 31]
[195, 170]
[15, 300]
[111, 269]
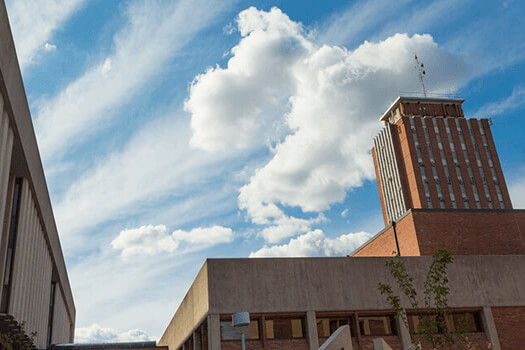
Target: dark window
[457, 321]
[377, 325]
[414, 321]
[228, 332]
[327, 326]
[449, 180]
[11, 244]
[284, 328]
[468, 321]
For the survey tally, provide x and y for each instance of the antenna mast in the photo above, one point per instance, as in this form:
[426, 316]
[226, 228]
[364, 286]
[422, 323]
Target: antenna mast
[421, 72]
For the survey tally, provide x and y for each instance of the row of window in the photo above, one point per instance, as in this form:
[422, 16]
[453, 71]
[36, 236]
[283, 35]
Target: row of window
[373, 325]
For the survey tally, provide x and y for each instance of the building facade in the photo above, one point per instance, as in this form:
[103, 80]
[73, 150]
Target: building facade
[440, 182]
[35, 295]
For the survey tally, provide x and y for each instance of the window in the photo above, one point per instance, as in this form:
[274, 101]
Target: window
[327, 326]
[469, 321]
[377, 325]
[472, 181]
[228, 332]
[414, 321]
[449, 180]
[284, 328]
[436, 180]
[460, 179]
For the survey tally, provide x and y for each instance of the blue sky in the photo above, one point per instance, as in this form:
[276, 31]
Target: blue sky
[173, 131]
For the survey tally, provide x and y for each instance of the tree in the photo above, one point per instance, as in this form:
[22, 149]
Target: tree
[432, 327]
[17, 340]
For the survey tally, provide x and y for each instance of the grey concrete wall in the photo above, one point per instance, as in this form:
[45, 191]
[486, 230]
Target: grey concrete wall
[333, 284]
[191, 312]
[32, 272]
[38, 252]
[61, 321]
[6, 149]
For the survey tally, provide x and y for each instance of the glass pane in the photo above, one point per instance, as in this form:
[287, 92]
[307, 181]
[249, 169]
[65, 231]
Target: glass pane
[471, 320]
[284, 328]
[254, 329]
[323, 328]
[376, 325]
[228, 332]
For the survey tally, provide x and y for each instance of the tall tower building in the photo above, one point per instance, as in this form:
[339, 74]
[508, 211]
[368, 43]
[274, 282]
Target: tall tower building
[430, 156]
[440, 181]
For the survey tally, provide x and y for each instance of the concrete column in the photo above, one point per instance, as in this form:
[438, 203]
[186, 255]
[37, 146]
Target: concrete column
[196, 341]
[311, 330]
[404, 334]
[490, 327]
[214, 332]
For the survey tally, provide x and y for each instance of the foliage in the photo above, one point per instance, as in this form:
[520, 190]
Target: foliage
[433, 314]
[17, 341]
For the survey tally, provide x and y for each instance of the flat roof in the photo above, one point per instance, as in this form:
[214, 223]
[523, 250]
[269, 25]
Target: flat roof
[440, 99]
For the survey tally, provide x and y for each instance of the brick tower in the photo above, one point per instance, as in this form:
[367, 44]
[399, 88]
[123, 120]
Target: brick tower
[440, 180]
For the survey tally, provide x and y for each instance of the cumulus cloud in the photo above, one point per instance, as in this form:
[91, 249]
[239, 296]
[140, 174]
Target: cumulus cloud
[317, 106]
[517, 192]
[286, 226]
[515, 101]
[155, 31]
[315, 243]
[97, 334]
[150, 240]
[33, 23]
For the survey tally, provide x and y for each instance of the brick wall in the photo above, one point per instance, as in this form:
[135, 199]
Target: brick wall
[464, 232]
[510, 325]
[471, 232]
[478, 341]
[276, 344]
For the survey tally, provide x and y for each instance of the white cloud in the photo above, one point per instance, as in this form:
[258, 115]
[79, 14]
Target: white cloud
[151, 240]
[286, 226]
[346, 26]
[33, 23]
[315, 243]
[97, 334]
[49, 47]
[515, 101]
[155, 32]
[517, 192]
[155, 163]
[344, 213]
[326, 100]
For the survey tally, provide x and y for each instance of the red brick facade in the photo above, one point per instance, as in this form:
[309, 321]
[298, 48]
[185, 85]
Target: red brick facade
[464, 232]
[275, 344]
[510, 325]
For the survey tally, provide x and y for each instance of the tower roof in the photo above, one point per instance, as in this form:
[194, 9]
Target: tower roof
[414, 105]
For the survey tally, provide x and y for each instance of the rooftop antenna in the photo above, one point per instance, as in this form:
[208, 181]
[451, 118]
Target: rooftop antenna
[421, 72]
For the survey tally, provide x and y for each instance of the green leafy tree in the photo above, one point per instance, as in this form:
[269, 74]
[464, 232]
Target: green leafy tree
[434, 312]
[17, 341]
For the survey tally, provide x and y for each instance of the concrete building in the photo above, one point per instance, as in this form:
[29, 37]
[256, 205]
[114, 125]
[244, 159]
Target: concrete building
[35, 289]
[439, 180]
